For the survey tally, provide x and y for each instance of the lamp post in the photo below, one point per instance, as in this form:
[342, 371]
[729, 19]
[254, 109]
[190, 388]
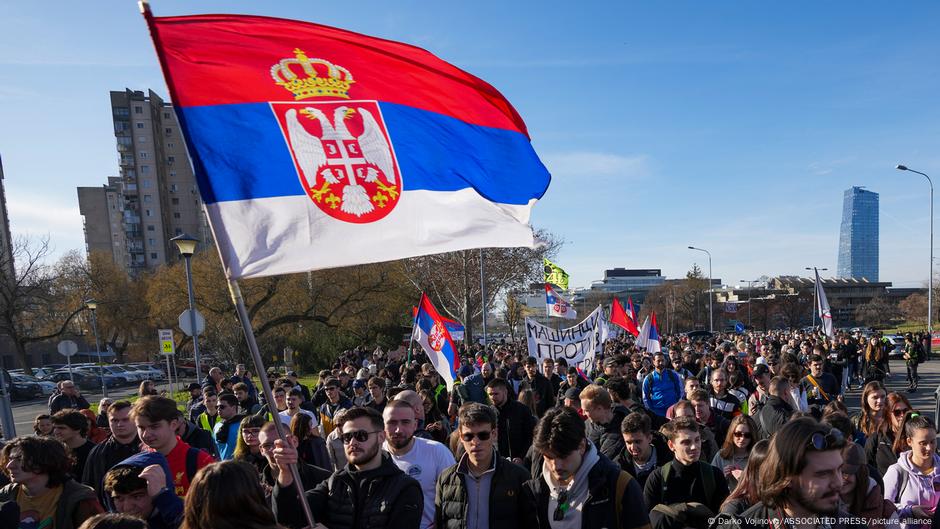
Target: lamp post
[187, 247]
[711, 323]
[900, 167]
[750, 284]
[92, 305]
[815, 290]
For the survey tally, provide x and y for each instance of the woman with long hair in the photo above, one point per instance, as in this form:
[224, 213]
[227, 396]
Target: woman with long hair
[248, 447]
[745, 494]
[733, 456]
[227, 495]
[879, 448]
[868, 421]
[861, 495]
[434, 421]
[911, 483]
[147, 388]
[311, 448]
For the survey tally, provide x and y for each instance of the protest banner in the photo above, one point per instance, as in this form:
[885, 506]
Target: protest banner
[577, 345]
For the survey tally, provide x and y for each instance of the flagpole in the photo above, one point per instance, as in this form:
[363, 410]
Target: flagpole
[414, 325]
[483, 297]
[239, 302]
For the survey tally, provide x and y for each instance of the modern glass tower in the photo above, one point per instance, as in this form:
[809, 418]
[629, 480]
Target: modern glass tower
[858, 238]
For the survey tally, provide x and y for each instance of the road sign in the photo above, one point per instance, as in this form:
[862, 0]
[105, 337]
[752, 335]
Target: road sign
[167, 347]
[67, 348]
[184, 322]
[739, 328]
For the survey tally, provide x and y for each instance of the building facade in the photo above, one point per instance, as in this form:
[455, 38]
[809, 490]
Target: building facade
[155, 198]
[858, 237]
[6, 237]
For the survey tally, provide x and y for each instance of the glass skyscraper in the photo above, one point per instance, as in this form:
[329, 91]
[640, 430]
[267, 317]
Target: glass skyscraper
[858, 238]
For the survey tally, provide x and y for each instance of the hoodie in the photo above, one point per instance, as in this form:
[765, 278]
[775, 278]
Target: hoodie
[919, 489]
[167, 506]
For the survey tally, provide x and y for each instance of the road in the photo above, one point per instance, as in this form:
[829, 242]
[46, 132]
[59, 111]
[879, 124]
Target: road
[923, 400]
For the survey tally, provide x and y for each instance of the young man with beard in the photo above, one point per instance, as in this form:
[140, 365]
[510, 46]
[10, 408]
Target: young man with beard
[822, 387]
[157, 420]
[644, 450]
[572, 381]
[541, 387]
[579, 488]
[515, 422]
[419, 458]
[483, 489]
[662, 387]
[761, 377]
[226, 430]
[686, 478]
[247, 405]
[122, 444]
[801, 479]
[603, 424]
[370, 492]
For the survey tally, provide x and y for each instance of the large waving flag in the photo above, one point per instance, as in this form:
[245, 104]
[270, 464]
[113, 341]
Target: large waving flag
[649, 335]
[454, 327]
[555, 275]
[316, 147]
[825, 314]
[619, 317]
[431, 332]
[557, 306]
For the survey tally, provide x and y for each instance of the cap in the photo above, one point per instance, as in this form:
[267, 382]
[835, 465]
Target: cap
[292, 373]
[853, 457]
[359, 383]
[465, 371]
[192, 386]
[760, 370]
[573, 393]
[610, 361]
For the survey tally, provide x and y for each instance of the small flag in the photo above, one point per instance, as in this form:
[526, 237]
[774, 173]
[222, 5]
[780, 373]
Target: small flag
[557, 306]
[631, 312]
[555, 275]
[649, 335]
[825, 314]
[620, 318]
[431, 332]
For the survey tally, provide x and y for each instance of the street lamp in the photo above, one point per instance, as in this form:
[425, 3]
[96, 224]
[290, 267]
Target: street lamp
[815, 290]
[187, 247]
[900, 167]
[711, 323]
[750, 285]
[92, 305]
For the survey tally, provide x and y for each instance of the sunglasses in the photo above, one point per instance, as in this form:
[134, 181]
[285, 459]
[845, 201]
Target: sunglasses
[900, 412]
[820, 441]
[483, 436]
[743, 435]
[563, 506]
[359, 435]
[222, 406]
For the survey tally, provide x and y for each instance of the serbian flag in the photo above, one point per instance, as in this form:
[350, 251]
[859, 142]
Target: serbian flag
[431, 332]
[649, 335]
[619, 317]
[315, 147]
[557, 306]
[454, 327]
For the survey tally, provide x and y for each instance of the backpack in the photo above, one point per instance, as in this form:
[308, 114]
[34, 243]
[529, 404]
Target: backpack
[705, 474]
[648, 381]
[623, 480]
[921, 353]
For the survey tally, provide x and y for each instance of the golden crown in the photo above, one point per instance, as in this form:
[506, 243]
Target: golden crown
[323, 78]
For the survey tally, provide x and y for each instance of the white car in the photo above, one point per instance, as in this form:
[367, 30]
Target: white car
[151, 372]
[47, 387]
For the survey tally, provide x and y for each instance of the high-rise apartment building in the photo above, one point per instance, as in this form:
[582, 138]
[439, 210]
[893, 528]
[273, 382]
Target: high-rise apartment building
[155, 198]
[858, 238]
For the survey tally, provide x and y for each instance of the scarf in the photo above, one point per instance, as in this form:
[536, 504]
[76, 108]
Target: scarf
[577, 491]
[222, 435]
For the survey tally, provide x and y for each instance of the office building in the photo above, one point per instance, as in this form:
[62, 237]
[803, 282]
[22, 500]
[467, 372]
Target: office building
[6, 238]
[858, 238]
[154, 198]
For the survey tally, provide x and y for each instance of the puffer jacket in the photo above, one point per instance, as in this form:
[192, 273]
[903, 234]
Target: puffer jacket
[918, 489]
[511, 504]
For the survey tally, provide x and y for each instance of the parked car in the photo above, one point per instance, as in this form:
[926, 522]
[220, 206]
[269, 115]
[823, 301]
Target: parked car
[698, 335]
[23, 389]
[135, 371]
[153, 373]
[47, 387]
[897, 343]
[125, 378]
[81, 379]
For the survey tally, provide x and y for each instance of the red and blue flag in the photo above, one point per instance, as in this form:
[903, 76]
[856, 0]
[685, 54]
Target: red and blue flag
[431, 332]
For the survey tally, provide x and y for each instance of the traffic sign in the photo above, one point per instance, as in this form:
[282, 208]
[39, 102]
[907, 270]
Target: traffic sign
[167, 347]
[184, 323]
[67, 348]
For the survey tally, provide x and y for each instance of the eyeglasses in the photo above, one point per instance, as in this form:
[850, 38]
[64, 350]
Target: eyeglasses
[222, 406]
[742, 435]
[359, 435]
[483, 436]
[251, 431]
[820, 441]
[900, 412]
[562, 509]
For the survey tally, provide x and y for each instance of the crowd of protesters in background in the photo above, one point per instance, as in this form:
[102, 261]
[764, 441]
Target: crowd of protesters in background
[741, 431]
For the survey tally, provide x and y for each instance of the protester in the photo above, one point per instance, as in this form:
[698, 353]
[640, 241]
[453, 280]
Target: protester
[196, 437]
[248, 447]
[732, 458]
[335, 401]
[42, 425]
[777, 410]
[746, 493]
[71, 427]
[122, 444]
[722, 401]
[644, 450]
[69, 397]
[861, 494]
[311, 446]
[114, 521]
[310, 475]
[869, 420]
[515, 421]
[823, 387]
[391, 499]
[482, 489]
[227, 495]
[95, 434]
[880, 447]
[225, 432]
[662, 387]
[247, 404]
[141, 486]
[101, 420]
[541, 387]
[147, 388]
[912, 483]
[376, 387]
[207, 418]
[757, 399]
[603, 424]
[575, 475]
[42, 486]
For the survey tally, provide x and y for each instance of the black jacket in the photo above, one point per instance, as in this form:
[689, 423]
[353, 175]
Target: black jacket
[758, 515]
[880, 452]
[515, 424]
[511, 504]
[391, 500]
[772, 416]
[685, 485]
[606, 437]
[102, 458]
[62, 401]
[544, 398]
[599, 509]
[196, 437]
[663, 456]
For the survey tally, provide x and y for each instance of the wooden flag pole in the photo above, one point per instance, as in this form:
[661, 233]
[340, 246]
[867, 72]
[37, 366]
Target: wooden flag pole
[239, 302]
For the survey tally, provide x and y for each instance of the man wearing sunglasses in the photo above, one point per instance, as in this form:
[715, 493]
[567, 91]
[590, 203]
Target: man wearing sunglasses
[370, 491]
[801, 479]
[580, 487]
[483, 489]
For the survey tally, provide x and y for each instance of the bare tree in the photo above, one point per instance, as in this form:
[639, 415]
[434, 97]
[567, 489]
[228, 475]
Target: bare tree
[33, 305]
[913, 307]
[513, 313]
[877, 312]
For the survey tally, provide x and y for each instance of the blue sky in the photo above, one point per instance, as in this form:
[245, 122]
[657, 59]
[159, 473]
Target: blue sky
[732, 126]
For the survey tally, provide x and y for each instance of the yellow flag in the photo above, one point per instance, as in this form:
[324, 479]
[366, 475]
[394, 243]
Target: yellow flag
[555, 275]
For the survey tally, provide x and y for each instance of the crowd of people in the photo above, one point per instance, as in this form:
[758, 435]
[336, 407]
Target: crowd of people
[733, 431]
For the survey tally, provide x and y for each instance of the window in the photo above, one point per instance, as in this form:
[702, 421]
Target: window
[172, 186]
[148, 213]
[166, 115]
[153, 255]
[172, 175]
[176, 215]
[175, 201]
[140, 125]
[147, 182]
[170, 145]
[130, 173]
[122, 111]
[171, 159]
[151, 242]
[142, 139]
[138, 109]
[150, 227]
[143, 155]
[168, 131]
[148, 198]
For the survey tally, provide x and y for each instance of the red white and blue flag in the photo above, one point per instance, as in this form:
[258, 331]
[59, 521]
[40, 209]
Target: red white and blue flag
[431, 332]
[316, 147]
[557, 306]
[649, 335]
[454, 327]
[623, 319]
